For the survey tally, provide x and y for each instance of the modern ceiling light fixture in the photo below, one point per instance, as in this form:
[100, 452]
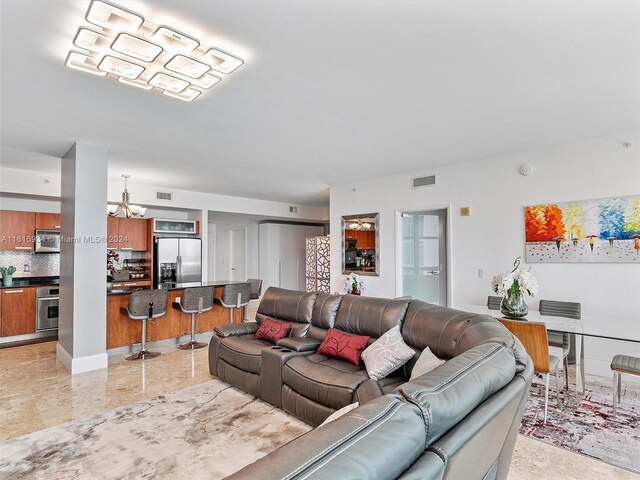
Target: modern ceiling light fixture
[125, 208]
[123, 45]
[360, 225]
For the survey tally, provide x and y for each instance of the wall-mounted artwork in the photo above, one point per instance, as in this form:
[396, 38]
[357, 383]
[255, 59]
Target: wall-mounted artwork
[603, 231]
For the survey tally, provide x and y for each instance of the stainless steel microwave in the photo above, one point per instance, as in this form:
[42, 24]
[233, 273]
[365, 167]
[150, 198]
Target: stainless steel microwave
[47, 241]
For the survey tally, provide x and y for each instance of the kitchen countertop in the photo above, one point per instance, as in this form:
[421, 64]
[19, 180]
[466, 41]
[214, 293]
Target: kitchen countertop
[19, 282]
[178, 286]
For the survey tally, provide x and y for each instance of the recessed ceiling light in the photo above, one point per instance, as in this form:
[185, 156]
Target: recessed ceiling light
[175, 41]
[187, 66]
[136, 47]
[135, 83]
[167, 82]
[119, 67]
[93, 41]
[84, 63]
[112, 17]
[188, 95]
[221, 61]
[207, 81]
[144, 55]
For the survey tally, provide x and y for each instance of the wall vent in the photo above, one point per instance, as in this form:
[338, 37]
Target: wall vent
[293, 209]
[163, 196]
[418, 182]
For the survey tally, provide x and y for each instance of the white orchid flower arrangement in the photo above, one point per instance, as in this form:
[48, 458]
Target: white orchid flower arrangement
[353, 282]
[516, 281]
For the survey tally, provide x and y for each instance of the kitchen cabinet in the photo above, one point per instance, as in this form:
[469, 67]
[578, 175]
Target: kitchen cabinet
[18, 307]
[366, 238]
[47, 221]
[282, 254]
[126, 234]
[18, 229]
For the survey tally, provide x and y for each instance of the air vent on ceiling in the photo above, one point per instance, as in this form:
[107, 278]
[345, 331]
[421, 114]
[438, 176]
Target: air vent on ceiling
[293, 209]
[418, 182]
[163, 196]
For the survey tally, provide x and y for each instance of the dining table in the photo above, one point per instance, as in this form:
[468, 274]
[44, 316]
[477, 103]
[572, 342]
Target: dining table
[584, 327]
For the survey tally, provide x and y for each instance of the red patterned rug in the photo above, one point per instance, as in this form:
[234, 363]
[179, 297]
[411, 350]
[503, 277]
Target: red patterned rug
[589, 427]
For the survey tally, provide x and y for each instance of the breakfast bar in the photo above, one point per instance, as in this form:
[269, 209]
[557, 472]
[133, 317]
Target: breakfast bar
[123, 332]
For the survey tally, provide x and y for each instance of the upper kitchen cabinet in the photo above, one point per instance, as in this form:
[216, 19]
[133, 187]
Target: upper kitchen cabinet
[47, 221]
[127, 234]
[17, 230]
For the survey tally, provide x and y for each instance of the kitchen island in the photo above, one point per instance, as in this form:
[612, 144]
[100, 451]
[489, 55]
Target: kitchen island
[123, 332]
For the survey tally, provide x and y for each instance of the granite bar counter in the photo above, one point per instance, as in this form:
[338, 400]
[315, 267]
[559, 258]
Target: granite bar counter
[124, 332]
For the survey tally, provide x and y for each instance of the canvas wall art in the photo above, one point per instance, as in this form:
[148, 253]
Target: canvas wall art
[602, 231]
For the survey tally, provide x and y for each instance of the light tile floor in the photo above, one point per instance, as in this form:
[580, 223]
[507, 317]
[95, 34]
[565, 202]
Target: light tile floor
[36, 392]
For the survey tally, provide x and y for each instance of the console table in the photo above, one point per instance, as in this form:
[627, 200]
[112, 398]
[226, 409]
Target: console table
[586, 327]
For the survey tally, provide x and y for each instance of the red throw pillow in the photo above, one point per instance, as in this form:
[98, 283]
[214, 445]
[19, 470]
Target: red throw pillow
[273, 330]
[338, 344]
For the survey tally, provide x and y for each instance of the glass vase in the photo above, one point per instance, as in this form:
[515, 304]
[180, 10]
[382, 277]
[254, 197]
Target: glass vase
[514, 306]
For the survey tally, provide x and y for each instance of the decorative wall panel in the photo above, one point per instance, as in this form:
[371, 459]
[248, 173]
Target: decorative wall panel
[318, 272]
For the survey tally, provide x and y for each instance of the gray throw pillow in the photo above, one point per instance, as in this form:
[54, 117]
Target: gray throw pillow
[386, 354]
[426, 362]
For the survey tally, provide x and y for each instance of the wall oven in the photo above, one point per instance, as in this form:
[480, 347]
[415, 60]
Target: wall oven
[47, 301]
[47, 241]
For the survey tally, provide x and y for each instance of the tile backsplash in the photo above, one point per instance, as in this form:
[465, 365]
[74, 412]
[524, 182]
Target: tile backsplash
[41, 264]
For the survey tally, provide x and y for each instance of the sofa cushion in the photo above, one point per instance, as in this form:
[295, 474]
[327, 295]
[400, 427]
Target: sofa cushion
[386, 354]
[243, 352]
[325, 380]
[324, 314]
[427, 361]
[274, 330]
[286, 305]
[447, 394]
[370, 316]
[337, 344]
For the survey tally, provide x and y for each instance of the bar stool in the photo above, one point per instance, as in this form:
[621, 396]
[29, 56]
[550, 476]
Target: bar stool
[256, 291]
[195, 301]
[145, 305]
[236, 295]
[622, 364]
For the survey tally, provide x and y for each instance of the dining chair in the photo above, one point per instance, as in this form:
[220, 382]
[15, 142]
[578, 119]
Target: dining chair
[493, 302]
[533, 336]
[561, 340]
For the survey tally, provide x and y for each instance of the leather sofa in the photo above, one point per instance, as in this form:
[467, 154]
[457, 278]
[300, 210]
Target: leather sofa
[457, 421]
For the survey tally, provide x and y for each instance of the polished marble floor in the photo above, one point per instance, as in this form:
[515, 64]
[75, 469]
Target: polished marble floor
[36, 392]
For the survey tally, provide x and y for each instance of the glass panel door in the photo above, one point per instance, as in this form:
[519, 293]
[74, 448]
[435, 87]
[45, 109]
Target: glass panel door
[424, 256]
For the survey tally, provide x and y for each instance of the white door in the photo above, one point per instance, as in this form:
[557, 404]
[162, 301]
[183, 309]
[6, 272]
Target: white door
[424, 256]
[237, 249]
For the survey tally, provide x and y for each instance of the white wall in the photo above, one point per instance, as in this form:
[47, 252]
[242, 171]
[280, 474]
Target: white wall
[494, 233]
[222, 237]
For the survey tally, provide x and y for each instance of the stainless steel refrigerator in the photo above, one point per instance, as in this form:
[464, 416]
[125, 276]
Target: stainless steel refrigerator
[177, 260]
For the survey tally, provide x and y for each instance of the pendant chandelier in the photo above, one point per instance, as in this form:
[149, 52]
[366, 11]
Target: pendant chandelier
[125, 208]
[360, 225]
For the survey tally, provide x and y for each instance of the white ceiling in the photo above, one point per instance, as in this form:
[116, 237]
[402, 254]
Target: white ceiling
[331, 91]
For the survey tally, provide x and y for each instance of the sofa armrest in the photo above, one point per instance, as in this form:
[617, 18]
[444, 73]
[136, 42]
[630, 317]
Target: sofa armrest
[300, 344]
[236, 329]
[367, 391]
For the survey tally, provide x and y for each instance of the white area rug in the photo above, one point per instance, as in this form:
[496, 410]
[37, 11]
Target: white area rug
[207, 431]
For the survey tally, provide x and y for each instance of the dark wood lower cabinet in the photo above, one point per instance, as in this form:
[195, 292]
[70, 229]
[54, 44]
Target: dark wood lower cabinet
[18, 307]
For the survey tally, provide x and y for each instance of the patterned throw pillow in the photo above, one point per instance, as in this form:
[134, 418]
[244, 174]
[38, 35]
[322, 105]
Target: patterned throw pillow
[427, 361]
[337, 344]
[386, 354]
[273, 330]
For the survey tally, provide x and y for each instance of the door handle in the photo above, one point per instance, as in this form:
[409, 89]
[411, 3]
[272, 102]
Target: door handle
[13, 291]
[434, 272]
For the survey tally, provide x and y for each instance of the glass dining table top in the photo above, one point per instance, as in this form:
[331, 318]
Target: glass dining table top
[606, 328]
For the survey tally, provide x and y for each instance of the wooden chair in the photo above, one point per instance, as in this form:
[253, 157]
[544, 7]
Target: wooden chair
[558, 339]
[533, 336]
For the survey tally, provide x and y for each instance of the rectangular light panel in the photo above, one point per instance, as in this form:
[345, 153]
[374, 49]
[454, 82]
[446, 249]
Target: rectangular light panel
[174, 41]
[93, 41]
[221, 61]
[207, 81]
[135, 83]
[84, 63]
[187, 66]
[188, 95]
[167, 82]
[112, 17]
[136, 47]
[119, 67]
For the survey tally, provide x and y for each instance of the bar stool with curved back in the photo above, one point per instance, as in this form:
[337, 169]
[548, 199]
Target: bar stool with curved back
[195, 300]
[622, 364]
[493, 302]
[256, 288]
[561, 340]
[145, 305]
[533, 336]
[236, 295]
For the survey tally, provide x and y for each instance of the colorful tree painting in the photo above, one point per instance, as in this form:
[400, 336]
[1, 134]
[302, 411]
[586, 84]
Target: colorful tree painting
[543, 223]
[631, 224]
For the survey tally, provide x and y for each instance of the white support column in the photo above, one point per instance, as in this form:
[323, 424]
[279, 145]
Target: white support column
[83, 252]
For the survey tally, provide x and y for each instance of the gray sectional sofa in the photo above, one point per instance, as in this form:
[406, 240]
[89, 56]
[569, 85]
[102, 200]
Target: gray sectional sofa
[457, 421]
